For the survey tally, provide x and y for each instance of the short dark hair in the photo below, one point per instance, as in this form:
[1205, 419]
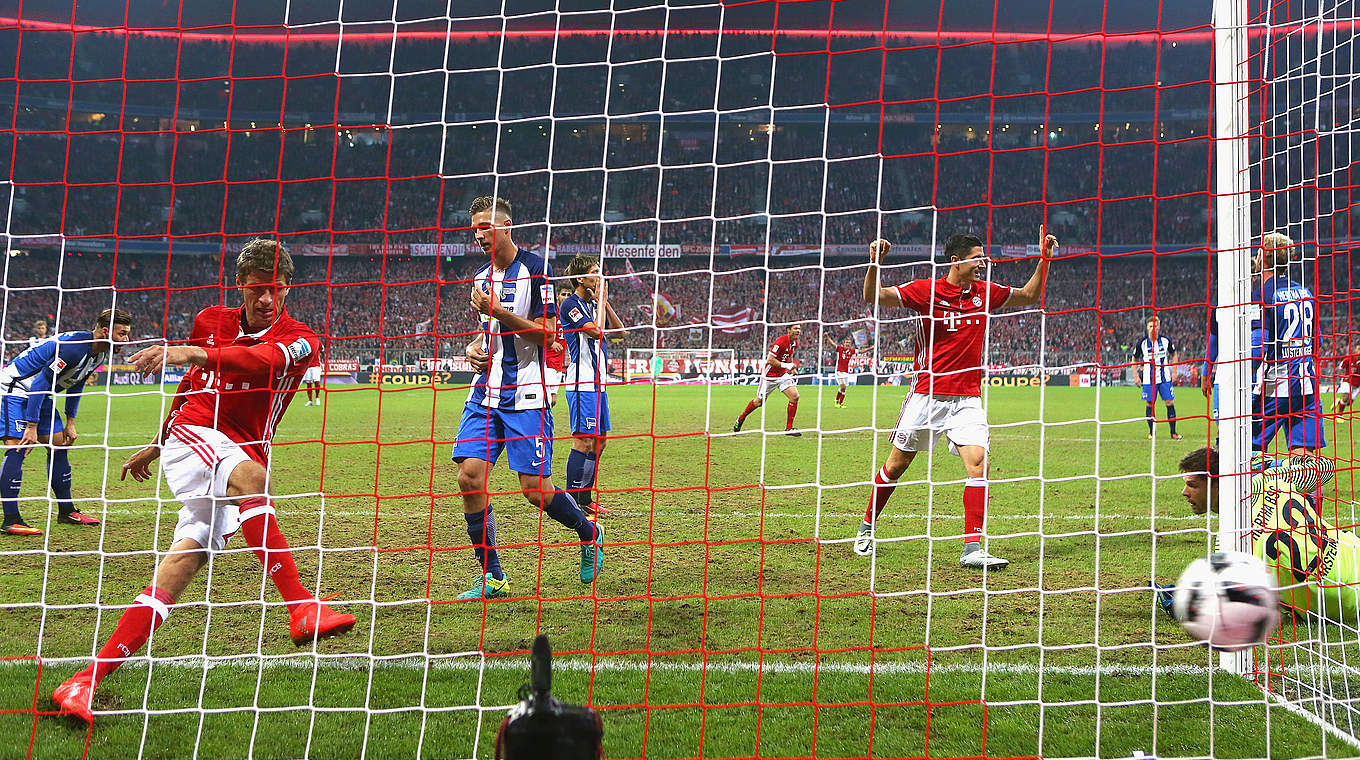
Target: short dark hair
[582, 264]
[483, 202]
[1201, 461]
[267, 256]
[112, 317]
[959, 246]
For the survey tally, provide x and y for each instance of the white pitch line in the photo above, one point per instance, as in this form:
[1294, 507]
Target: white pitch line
[474, 663]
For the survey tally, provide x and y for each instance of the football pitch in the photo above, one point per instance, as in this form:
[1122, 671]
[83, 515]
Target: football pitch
[732, 618]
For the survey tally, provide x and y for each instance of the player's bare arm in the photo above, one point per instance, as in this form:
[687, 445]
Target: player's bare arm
[873, 293]
[1032, 291]
[154, 357]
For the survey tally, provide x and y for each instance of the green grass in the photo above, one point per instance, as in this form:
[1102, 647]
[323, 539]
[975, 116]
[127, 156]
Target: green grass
[732, 619]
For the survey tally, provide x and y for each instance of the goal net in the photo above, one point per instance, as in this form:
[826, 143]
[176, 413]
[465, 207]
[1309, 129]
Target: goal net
[719, 366]
[729, 163]
[1292, 176]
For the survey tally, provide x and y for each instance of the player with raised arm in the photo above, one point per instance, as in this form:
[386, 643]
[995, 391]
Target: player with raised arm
[506, 408]
[1287, 532]
[244, 367]
[28, 389]
[779, 366]
[845, 351]
[947, 396]
[585, 315]
[1157, 356]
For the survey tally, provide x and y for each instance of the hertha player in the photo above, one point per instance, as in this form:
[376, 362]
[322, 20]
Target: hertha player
[845, 351]
[1157, 356]
[947, 397]
[244, 367]
[507, 409]
[779, 366]
[1317, 565]
[28, 390]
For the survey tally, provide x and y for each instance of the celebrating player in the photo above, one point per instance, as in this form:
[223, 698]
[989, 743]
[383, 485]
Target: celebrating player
[1156, 355]
[845, 351]
[1348, 369]
[778, 373]
[1288, 533]
[947, 397]
[506, 408]
[28, 389]
[245, 364]
[585, 314]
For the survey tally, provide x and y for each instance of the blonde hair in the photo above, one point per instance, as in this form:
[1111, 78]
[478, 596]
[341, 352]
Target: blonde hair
[1277, 250]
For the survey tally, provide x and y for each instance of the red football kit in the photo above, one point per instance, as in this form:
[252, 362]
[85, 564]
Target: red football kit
[843, 356]
[781, 349]
[249, 379]
[1349, 370]
[951, 333]
[556, 358]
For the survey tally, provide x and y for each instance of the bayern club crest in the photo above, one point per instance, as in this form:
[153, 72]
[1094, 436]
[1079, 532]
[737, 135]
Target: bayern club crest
[977, 300]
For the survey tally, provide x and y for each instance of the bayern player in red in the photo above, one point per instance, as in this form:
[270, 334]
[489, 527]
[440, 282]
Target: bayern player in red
[845, 351]
[1348, 369]
[245, 364]
[778, 374]
[947, 397]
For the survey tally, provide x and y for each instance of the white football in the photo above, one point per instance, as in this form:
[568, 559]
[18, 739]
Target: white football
[1228, 600]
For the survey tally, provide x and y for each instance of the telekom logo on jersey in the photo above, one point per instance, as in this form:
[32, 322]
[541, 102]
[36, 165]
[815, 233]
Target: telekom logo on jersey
[953, 319]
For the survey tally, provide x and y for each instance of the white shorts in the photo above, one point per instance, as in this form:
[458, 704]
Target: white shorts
[312, 374]
[1347, 391]
[552, 378]
[843, 378]
[768, 384]
[198, 462]
[924, 418]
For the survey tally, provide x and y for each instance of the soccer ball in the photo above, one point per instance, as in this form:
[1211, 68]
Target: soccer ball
[1227, 600]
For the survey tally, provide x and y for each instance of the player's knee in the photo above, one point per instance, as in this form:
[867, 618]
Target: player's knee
[471, 479]
[249, 478]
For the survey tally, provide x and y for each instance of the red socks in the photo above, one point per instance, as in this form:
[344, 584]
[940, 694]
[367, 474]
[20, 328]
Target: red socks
[974, 509]
[261, 532]
[878, 499]
[750, 407]
[840, 397]
[793, 410]
[144, 615]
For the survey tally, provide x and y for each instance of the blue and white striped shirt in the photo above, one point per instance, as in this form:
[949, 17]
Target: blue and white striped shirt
[60, 364]
[514, 379]
[587, 369]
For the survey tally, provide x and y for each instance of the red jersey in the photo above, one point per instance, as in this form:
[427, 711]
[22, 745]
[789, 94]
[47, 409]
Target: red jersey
[781, 349]
[1349, 370]
[249, 379]
[843, 356]
[555, 358]
[951, 333]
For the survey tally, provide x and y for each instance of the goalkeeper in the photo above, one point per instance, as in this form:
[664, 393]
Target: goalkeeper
[1317, 565]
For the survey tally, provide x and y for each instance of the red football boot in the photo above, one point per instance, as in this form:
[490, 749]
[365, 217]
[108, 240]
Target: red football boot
[77, 518]
[314, 620]
[73, 697]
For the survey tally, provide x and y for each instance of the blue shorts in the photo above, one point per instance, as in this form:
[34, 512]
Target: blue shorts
[1162, 389]
[526, 434]
[1300, 416]
[589, 412]
[12, 413]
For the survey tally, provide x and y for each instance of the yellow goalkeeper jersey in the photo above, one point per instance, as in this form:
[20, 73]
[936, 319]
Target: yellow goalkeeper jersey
[1317, 565]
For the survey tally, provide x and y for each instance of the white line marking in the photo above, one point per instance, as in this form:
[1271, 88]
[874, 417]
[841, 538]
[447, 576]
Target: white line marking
[942, 515]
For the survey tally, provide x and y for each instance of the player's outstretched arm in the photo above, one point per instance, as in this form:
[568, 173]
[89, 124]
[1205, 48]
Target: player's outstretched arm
[1034, 289]
[873, 292]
